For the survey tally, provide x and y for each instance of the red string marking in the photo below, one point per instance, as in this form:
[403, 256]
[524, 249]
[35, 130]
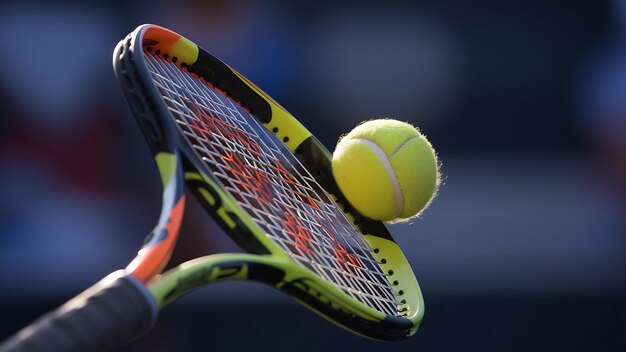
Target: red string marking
[348, 260]
[250, 178]
[256, 180]
[296, 230]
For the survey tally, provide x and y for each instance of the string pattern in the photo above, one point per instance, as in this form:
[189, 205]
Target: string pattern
[268, 182]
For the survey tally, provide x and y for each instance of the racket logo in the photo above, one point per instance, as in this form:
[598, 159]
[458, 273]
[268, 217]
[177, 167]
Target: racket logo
[219, 271]
[149, 42]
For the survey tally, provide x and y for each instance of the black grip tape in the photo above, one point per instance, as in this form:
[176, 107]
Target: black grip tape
[110, 313]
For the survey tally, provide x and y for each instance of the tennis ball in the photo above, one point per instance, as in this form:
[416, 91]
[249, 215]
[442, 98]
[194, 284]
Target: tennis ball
[386, 169]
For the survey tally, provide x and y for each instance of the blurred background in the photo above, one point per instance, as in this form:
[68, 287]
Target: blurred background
[523, 250]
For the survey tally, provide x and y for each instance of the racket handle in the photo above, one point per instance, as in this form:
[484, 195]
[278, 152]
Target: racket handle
[110, 313]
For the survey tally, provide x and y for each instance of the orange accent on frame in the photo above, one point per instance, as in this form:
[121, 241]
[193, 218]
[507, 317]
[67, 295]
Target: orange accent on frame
[152, 259]
[160, 38]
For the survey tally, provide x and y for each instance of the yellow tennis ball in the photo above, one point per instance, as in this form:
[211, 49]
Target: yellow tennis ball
[386, 169]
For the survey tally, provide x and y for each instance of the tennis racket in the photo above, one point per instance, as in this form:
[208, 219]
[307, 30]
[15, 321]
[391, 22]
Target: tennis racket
[265, 179]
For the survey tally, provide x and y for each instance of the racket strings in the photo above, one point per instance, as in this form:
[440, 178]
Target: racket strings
[268, 182]
[283, 193]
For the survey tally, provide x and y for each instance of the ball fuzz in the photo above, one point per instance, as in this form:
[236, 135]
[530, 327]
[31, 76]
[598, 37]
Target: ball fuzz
[386, 169]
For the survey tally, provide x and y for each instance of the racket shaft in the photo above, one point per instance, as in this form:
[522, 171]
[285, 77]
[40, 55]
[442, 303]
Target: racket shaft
[112, 312]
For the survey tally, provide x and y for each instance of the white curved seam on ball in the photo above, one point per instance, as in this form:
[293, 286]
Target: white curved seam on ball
[397, 191]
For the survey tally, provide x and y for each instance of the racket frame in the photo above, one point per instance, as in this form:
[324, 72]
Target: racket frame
[269, 263]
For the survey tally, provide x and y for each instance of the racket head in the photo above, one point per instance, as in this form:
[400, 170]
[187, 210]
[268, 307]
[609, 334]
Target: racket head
[267, 181]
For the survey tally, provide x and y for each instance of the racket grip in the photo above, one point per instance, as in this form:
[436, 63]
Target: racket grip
[110, 313]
